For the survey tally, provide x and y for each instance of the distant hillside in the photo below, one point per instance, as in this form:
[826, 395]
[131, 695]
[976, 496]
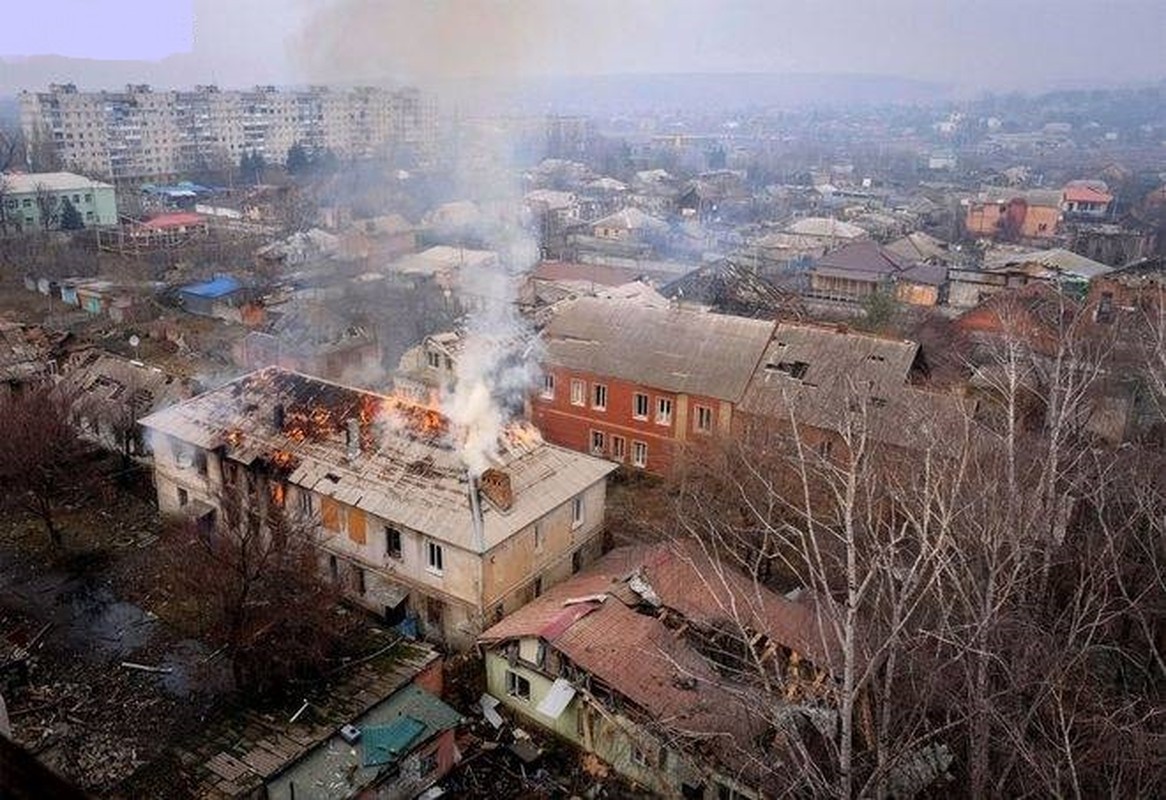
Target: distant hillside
[616, 94]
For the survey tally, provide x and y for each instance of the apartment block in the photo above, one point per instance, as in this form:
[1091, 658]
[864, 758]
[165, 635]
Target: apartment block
[146, 133]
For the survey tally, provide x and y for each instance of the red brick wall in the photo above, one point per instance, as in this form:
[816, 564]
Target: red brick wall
[571, 426]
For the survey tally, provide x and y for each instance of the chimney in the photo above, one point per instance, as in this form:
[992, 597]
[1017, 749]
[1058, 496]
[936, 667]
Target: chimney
[496, 486]
[278, 417]
[479, 541]
[352, 438]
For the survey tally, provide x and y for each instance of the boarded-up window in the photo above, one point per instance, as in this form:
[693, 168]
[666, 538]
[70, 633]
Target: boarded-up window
[329, 514]
[356, 526]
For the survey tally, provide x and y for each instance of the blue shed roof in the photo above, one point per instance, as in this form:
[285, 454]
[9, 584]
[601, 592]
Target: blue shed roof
[218, 287]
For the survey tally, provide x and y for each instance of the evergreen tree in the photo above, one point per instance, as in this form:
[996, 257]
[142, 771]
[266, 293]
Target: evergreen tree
[297, 159]
[71, 219]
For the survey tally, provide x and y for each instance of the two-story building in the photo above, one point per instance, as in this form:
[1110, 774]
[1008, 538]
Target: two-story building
[37, 201]
[406, 529]
[633, 382]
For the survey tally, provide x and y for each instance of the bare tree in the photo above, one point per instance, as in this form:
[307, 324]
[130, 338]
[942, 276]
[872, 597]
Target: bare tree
[39, 451]
[48, 206]
[256, 582]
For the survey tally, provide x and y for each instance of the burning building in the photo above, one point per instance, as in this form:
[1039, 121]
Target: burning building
[407, 529]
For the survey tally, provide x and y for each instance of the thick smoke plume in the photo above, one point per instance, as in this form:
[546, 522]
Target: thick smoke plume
[427, 43]
[499, 360]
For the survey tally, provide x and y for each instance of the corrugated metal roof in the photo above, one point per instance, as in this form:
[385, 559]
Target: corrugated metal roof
[672, 349]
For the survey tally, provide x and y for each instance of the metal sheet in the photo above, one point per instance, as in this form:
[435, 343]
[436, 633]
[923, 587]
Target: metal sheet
[557, 699]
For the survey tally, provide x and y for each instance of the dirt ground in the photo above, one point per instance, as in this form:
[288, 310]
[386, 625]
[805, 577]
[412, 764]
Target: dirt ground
[75, 615]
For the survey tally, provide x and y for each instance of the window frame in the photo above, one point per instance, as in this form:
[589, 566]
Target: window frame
[391, 533]
[707, 413]
[578, 392]
[619, 448]
[513, 687]
[637, 446]
[578, 512]
[636, 397]
[432, 565]
[664, 417]
[598, 393]
[548, 389]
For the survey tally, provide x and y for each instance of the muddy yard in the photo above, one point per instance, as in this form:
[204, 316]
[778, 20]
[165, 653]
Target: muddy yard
[72, 617]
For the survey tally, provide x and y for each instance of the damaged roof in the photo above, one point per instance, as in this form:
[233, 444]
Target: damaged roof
[672, 349]
[406, 469]
[834, 378]
[604, 620]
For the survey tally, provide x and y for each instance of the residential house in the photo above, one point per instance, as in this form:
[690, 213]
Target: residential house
[619, 662]
[1130, 296]
[1014, 216]
[111, 393]
[35, 201]
[408, 531]
[918, 247]
[635, 382]
[826, 383]
[630, 224]
[378, 240]
[1086, 200]
[28, 355]
[314, 338]
[855, 271]
[428, 370]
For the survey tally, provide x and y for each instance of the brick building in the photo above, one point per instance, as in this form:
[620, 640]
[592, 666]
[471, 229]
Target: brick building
[634, 383]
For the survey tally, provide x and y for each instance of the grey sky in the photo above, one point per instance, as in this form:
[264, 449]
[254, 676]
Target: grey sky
[992, 44]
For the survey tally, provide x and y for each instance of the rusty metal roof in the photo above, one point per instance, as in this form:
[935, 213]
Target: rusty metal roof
[401, 473]
[640, 657]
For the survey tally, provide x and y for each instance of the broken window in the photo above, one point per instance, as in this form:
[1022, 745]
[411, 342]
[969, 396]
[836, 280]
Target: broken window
[578, 393]
[599, 397]
[639, 454]
[434, 558]
[548, 392]
[539, 537]
[639, 757]
[183, 497]
[597, 443]
[704, 419]
[663, 411]
[640, 406]
[517, 686]
[392, 542]
[333, 569]
[434, 359]
[358, 580]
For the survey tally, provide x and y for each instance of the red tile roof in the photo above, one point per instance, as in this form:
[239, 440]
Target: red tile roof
[1086, 194]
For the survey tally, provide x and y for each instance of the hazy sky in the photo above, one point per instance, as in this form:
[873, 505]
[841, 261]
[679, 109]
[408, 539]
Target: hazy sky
[994, 44]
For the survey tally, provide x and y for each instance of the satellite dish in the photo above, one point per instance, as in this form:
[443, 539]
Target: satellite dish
[135, 341]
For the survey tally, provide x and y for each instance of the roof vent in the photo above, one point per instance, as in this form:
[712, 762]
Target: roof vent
[350, 734]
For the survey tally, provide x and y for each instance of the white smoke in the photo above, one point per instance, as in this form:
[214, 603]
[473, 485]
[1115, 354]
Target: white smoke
[498, 363]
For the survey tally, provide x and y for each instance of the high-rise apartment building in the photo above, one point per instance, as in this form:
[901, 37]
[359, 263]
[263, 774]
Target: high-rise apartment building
[143, 133]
